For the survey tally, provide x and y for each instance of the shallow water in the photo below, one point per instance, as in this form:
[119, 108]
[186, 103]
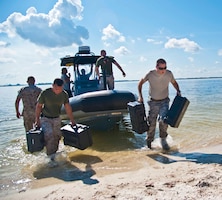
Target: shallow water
[200, 127]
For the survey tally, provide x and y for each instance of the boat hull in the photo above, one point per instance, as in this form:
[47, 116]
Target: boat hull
[102, 104]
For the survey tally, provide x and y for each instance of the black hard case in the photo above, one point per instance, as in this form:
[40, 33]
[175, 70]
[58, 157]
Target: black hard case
[35, 140]
[138, 117]
[176, 111]
[78, 136]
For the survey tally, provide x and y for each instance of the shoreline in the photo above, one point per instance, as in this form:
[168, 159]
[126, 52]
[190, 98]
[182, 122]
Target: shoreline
[138, 175]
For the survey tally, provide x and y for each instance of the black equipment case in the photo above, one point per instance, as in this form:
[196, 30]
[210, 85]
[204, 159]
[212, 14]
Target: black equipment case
[176, 111]
[35, 140]
[78, 136]
[138, 117]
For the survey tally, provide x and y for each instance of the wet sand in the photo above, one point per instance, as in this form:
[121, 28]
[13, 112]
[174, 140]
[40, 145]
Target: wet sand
[138, 174]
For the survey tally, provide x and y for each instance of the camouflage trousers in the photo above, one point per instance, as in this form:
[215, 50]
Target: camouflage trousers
[52, 134]
[157, 111]
[29, 120]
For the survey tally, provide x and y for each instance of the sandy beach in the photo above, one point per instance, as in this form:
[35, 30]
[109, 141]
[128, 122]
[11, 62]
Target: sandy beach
[140, 174]
[118, 165]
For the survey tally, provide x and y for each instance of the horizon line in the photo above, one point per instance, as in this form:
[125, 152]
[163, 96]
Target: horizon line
[19, 84]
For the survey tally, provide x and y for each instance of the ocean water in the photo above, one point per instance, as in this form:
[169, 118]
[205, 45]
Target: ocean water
[201, 126]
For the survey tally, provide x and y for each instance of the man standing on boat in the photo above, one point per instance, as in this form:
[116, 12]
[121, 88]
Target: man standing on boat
[67, 81]
[48, 110]
[159, 80]
[106, 62]
[28, 95]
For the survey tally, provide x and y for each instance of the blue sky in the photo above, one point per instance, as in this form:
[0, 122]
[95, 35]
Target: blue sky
[35, 34]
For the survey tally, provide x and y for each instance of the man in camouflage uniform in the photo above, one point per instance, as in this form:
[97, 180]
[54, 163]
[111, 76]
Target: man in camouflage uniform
[28, 95]
[48, 111]
[159, 80]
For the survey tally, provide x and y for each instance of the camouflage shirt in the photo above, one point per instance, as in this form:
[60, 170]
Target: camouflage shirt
[29, 97]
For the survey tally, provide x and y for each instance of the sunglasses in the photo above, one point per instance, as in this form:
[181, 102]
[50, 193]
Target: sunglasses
[162, 68]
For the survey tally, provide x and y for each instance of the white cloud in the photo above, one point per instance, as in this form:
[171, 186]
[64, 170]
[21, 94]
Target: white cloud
[191, 59]
[43, 52]
[4, 44]
[107, 44]
[220, 52]
[121, 51]
[48, 29]
[7, 60]
[111, 33]
[66, 9]
[184, 43]
[6, 54]
[149, 40]
[142, 59]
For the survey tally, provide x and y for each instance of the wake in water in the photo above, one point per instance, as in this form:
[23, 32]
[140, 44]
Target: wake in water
[8, 120]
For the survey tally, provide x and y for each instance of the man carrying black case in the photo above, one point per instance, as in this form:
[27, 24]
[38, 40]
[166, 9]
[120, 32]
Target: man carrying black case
[35, 140]
[176, 111]
[78, 136]
[159, 80]
[138, 117]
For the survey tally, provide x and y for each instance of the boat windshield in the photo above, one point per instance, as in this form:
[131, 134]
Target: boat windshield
[84, 72]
